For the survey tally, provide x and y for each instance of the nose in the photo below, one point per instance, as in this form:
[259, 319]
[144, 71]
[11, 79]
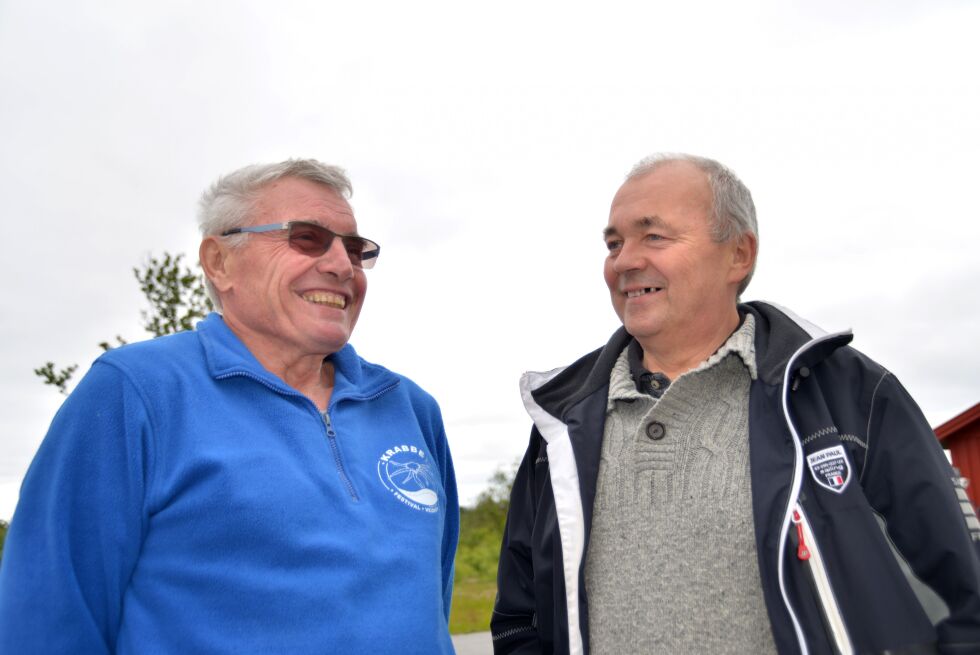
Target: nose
[628, 259]
[336, 261]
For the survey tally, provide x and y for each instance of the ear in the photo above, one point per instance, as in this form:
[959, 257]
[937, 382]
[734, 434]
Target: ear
[745, 249]
[215, 257]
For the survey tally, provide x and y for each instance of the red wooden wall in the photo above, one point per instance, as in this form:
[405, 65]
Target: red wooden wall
[961, 436]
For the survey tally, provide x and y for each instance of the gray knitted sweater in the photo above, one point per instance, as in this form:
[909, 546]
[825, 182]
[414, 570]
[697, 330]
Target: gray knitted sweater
[671, 565]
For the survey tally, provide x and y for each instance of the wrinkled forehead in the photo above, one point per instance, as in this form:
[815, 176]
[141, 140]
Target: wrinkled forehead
[296, 199]
[626, 225]
[659, 194]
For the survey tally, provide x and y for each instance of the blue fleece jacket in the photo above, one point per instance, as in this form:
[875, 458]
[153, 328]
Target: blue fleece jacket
[186, 500]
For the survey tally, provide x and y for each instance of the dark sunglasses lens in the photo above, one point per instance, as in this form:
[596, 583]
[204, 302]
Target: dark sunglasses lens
[313, 240]
[356, 249]
[310, 239]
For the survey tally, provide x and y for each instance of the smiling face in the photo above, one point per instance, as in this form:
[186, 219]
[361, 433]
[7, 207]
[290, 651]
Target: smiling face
[285, 305]
[668, 279]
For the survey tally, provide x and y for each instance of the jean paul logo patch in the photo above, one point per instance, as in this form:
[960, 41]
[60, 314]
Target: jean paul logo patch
[830, 468]
[407, 472]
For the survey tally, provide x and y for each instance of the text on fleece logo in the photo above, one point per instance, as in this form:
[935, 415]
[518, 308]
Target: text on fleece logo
[407, 473]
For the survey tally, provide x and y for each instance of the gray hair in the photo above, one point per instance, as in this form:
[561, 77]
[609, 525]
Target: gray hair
[229, 202]
[732, 209]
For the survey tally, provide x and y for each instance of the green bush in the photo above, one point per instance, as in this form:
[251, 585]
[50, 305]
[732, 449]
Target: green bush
[481, 530]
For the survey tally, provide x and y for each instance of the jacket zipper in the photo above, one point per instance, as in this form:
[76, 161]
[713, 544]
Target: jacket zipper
[796, 483]
[338, 462]
[497, 636]
[809, 553]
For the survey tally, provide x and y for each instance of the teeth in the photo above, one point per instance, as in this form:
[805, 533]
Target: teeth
[325, 298]
[639, 292]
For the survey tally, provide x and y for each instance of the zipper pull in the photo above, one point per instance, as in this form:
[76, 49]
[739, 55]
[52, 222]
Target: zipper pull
[802, 551]
[328, 423]
[801, 375]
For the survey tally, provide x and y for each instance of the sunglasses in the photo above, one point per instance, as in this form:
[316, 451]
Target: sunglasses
[312, 240]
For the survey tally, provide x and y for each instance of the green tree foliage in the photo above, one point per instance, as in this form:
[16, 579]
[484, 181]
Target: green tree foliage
[3, 536]
[57, 379]
[177, 299]
[177, 295]
[481, 529]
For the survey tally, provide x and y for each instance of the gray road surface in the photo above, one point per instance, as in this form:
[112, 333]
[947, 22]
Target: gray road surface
[475, 643]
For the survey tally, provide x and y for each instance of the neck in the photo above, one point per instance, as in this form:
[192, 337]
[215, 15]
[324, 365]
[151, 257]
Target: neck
[314, 382]
[310, 374]
[676, 354]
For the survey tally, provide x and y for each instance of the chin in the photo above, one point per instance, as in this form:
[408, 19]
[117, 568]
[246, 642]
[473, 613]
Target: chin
[641, 333]
[328, 340]
[333, 344]
[641, 328]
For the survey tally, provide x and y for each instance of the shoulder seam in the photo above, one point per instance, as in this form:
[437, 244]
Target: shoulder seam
[150, 474]
[867, 430]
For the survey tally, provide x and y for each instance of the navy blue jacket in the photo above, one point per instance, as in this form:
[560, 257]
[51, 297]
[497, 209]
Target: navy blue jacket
[879, 489]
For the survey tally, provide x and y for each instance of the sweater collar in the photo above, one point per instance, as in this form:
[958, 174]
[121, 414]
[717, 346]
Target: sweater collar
[741, 343]
[623, 378]
[226, 355]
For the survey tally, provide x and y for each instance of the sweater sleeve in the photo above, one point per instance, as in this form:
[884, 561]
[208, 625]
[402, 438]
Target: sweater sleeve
[430, 420]
[76, 534]
[911, 483]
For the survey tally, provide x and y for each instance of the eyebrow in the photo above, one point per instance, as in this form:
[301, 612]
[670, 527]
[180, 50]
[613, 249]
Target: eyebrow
[642, 223]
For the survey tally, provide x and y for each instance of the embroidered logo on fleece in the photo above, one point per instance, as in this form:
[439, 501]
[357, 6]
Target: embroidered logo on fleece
[830, 468]
[406, 472]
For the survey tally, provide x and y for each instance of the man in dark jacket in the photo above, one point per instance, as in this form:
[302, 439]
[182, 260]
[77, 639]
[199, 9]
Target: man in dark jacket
[726, 477]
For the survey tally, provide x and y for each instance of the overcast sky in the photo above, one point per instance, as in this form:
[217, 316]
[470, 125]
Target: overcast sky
[485, 142]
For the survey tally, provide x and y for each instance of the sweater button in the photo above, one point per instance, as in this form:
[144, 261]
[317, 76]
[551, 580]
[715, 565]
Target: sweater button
[656, 431]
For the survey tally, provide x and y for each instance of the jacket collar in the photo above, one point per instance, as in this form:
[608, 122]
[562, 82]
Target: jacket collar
[779, 333]
[560, 389]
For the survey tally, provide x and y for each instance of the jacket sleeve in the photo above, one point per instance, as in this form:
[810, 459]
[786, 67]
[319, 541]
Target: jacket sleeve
[76, 533]
[513, 623]
[910, 482]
